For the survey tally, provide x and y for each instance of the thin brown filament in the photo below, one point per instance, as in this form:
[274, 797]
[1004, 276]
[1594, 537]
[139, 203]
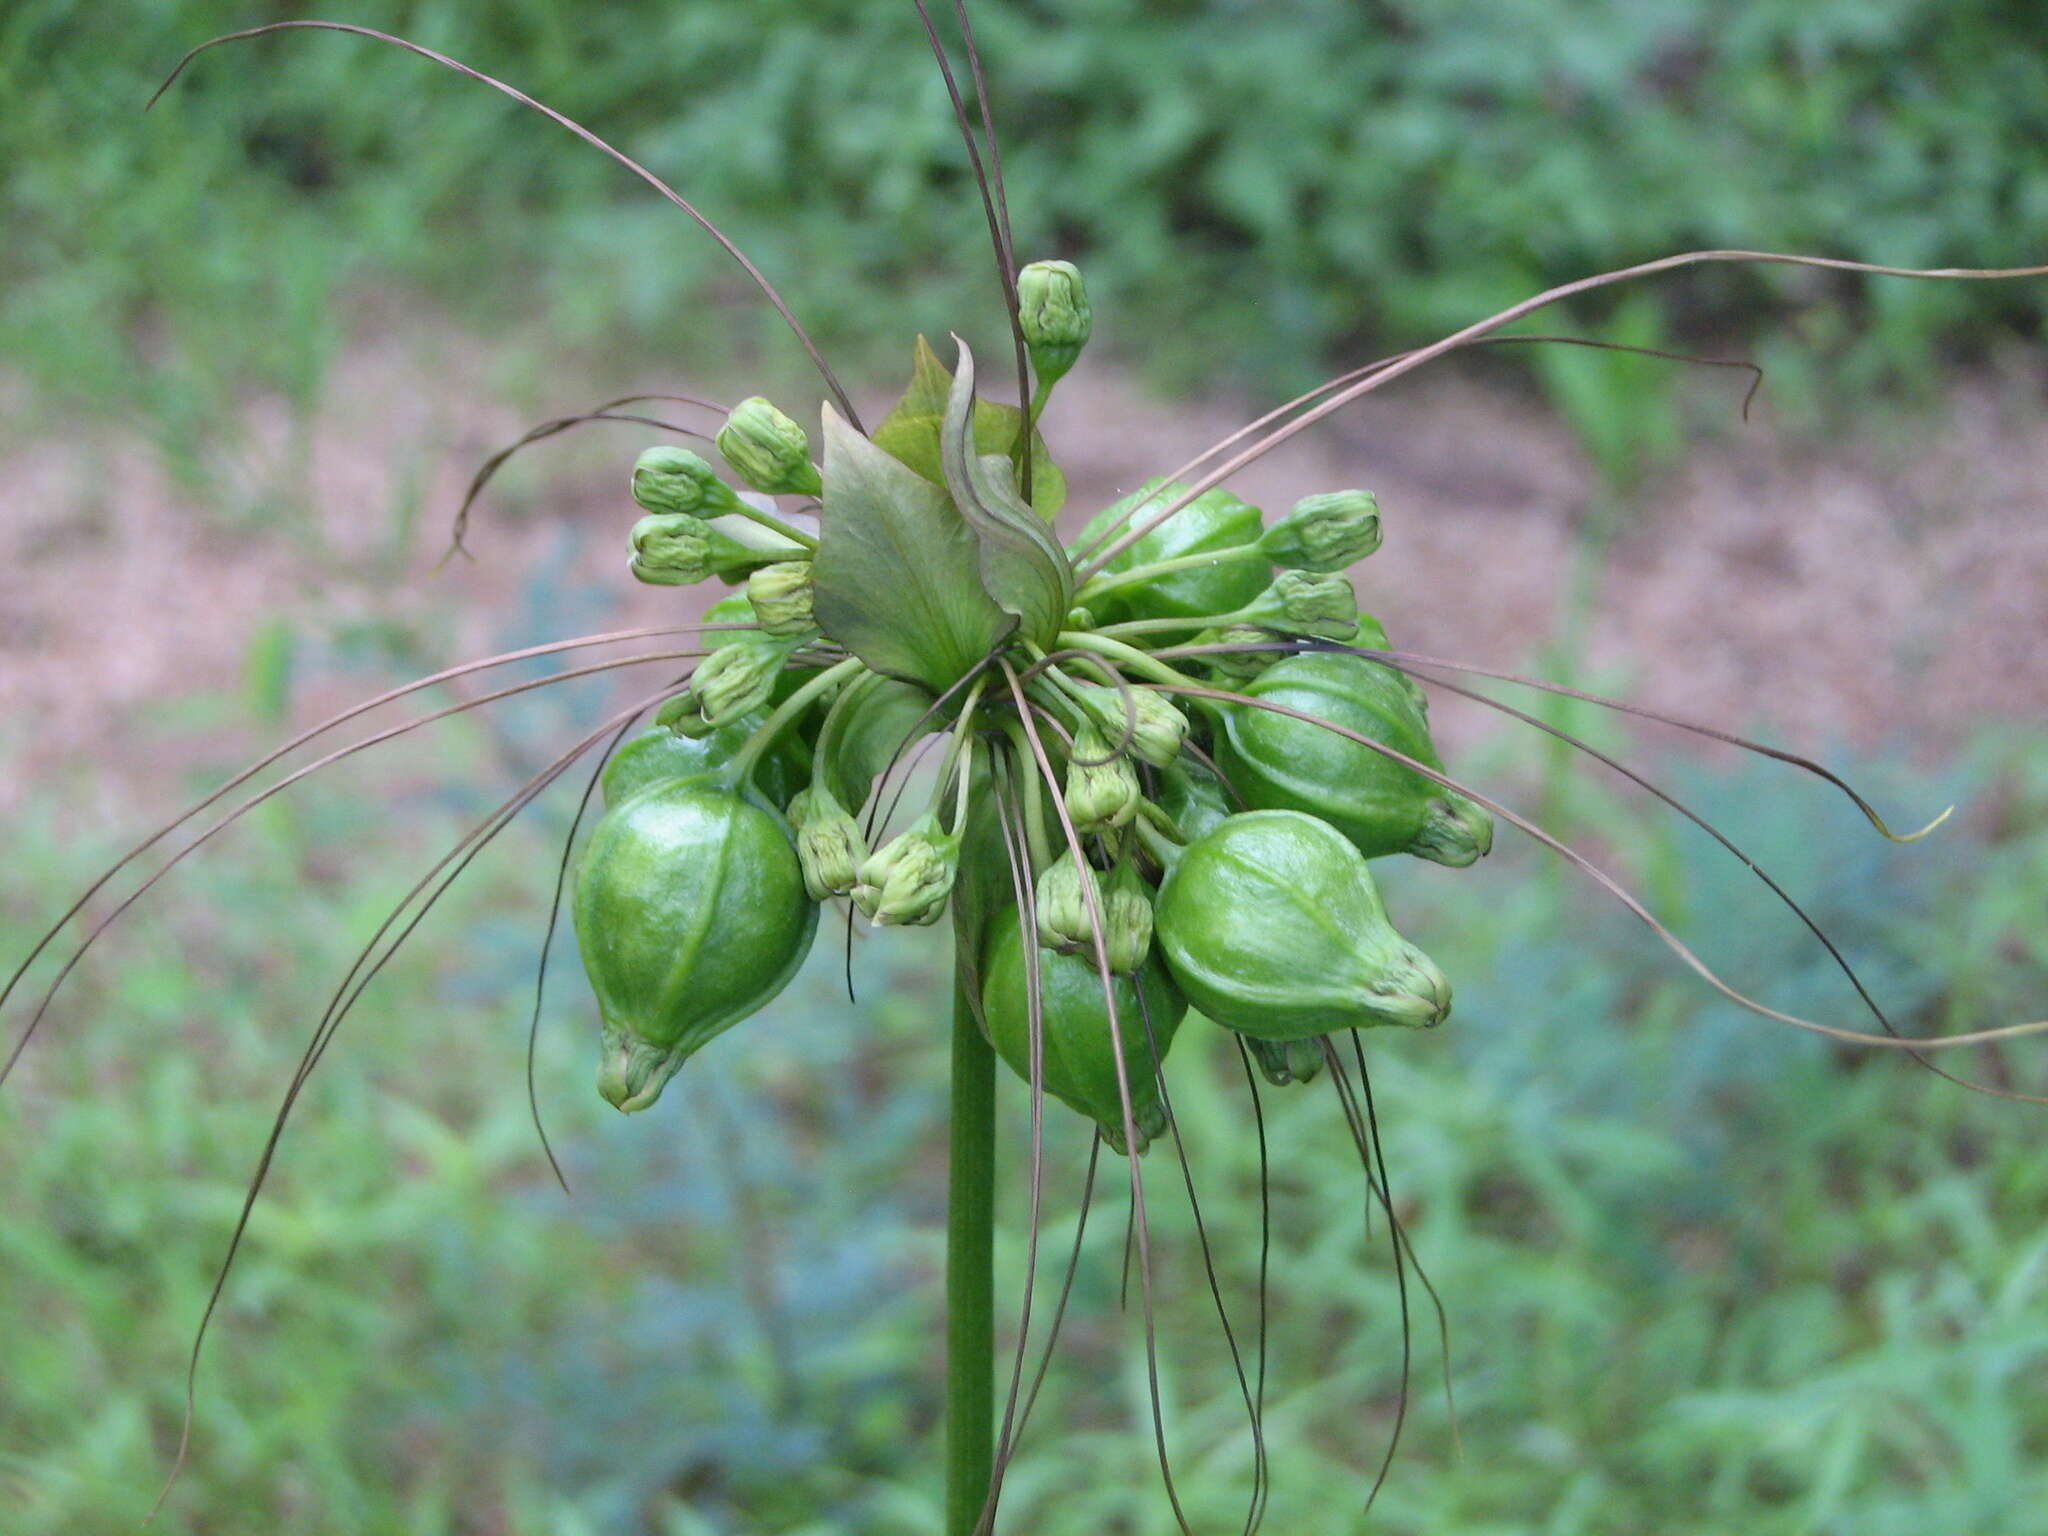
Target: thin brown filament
[753, 272]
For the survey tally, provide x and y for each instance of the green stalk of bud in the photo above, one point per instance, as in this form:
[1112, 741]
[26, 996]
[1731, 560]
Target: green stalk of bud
[768, 450]
[1100, 795]
[1306, 603]
[829, 846]
[781, 595]
[1062, 906]
[1325, 533]
[669, 479]
[907, 880]
[1052, 310]
[679, 549]
[1153, 727]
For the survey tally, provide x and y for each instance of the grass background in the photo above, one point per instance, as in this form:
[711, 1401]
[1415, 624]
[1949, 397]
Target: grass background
[1701, 1275]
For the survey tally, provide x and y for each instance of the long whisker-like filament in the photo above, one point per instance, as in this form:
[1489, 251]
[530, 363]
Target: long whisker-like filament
[1367, 370]
[609, 411]
[1394, 369]
[753, 272]
[244, 807]
[1813, 926]
[359, 976]
[1622, 894]
[1089, 898]
[1251, 1078]
[547, 944]
[1366, 1132]
[1187, 1173]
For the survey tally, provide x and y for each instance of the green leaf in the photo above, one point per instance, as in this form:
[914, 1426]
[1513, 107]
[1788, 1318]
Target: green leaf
[911, 432]
[897, 577]
[1022, 564]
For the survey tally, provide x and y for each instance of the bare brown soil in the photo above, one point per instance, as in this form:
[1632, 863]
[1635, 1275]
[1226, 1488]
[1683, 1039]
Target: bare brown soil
[1891, 585]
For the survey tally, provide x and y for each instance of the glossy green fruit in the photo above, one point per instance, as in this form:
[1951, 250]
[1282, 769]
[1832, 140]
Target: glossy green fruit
[1079, 1062]
[1279, 762]
[1214, 520]
[691, 914]
[1271, 925]
[660, 754]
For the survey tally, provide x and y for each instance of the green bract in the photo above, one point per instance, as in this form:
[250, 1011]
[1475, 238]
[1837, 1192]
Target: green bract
[1383, 806]
[1192, 798]
[691, 914]
[1271, 925]
[659, 754]
[1214, 521]
[1079, 1046]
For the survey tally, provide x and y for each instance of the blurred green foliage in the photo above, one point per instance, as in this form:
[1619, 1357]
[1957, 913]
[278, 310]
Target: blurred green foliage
[1255, 187]
[1701, 1273]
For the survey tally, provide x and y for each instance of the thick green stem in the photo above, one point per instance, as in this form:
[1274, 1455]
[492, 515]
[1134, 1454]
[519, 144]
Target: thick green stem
[970, 1272]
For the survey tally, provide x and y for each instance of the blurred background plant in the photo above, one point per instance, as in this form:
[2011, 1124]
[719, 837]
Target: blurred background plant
[1700, 1274]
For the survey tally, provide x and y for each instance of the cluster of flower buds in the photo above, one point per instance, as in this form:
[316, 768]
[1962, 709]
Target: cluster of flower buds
[1172, 746]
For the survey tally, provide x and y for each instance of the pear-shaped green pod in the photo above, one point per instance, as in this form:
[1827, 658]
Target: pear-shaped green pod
[1213, 521]
[1079, 1059]
[1271, 925]
[691, 915]
[1280, 762]
[661, 753]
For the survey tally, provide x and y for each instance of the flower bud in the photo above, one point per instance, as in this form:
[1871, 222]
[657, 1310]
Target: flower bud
[676, 480]
[781, 595]
[1127, 921]
[1052, 310]
[1307, 603]
[1287, 1061]
[671, 549]
[829, 846]
[1136, 720]
[736, 678]
[1062, 905]
[1325, 533]
[768, 450]
[908, 879]
[1099, 794]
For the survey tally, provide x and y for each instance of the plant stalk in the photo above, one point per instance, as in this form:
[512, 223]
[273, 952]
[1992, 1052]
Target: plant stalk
[970, 1271]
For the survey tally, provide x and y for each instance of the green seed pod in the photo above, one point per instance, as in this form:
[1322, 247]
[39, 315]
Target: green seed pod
[1100, 795]
[768, 450]
[1052, 311]
[1307, 603]
[1193, 797]
[1271, 925]
[1288, 1061]
[659, 754]
[1079, 1053]
[907, 880]
[1136, 720]
[1280, 762]
[781, 596]
[829, 846]
[1325, 533]
[691, 915]
[737, 678]
[1214, 521]
[671, 480]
